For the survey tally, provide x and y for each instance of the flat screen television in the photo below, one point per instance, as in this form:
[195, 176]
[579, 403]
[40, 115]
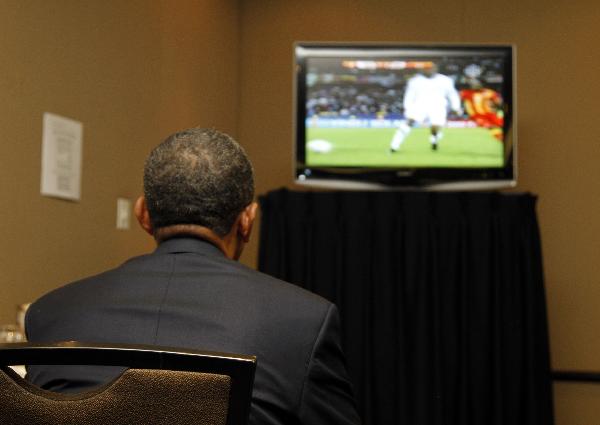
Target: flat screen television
[435, 116]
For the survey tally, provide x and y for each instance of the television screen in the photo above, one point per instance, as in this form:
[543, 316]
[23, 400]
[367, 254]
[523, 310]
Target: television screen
[431, 116]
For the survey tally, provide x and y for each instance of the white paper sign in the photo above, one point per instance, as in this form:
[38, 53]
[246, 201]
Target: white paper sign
[61, 157]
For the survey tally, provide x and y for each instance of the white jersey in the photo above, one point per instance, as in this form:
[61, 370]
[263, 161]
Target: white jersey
[427, 99]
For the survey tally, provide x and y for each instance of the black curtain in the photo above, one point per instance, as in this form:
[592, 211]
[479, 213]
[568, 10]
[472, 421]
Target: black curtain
[441, 297]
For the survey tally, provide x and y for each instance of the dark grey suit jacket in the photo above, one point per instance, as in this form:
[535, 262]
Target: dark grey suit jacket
[188, 294]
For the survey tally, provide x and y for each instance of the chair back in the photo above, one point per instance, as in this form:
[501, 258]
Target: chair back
[161, 386]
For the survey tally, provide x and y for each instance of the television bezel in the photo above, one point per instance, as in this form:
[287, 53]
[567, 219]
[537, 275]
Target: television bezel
[398, 178]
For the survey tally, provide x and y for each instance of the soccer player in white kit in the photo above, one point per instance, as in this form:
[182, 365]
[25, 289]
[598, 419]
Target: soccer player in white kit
[426, 101]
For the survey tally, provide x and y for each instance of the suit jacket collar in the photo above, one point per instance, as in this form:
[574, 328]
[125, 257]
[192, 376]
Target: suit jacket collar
[187, 244]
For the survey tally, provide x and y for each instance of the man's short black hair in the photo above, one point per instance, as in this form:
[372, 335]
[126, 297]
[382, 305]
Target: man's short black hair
[198, 176]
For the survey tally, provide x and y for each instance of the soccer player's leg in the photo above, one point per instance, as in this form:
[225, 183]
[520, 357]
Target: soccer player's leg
[437, 121]
[402, 131]
[436, 135]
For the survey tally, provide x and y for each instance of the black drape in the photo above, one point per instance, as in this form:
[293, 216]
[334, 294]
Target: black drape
[441, 297]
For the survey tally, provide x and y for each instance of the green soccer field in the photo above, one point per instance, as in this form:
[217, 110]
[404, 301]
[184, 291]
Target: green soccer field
[354, 147]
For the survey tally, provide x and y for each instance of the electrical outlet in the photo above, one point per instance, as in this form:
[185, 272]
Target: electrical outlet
[123, 213]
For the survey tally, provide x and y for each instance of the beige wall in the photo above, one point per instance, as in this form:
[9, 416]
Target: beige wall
[559, 155]
[132, 72]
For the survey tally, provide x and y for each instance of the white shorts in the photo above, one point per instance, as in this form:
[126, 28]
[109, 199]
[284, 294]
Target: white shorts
[432, 115]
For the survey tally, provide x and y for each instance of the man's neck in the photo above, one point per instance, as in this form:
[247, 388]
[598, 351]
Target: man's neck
[194, 231]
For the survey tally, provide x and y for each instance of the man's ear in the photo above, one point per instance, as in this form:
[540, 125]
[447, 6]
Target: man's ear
[247, 217]
[140, 209]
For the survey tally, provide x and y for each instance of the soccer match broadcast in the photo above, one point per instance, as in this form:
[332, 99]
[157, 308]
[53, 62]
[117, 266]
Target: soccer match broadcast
[405, 111]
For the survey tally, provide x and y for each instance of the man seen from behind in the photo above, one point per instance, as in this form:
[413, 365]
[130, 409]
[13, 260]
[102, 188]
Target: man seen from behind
[192, 293]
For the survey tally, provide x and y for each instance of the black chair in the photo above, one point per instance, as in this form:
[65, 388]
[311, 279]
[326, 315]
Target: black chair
[161, 386]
